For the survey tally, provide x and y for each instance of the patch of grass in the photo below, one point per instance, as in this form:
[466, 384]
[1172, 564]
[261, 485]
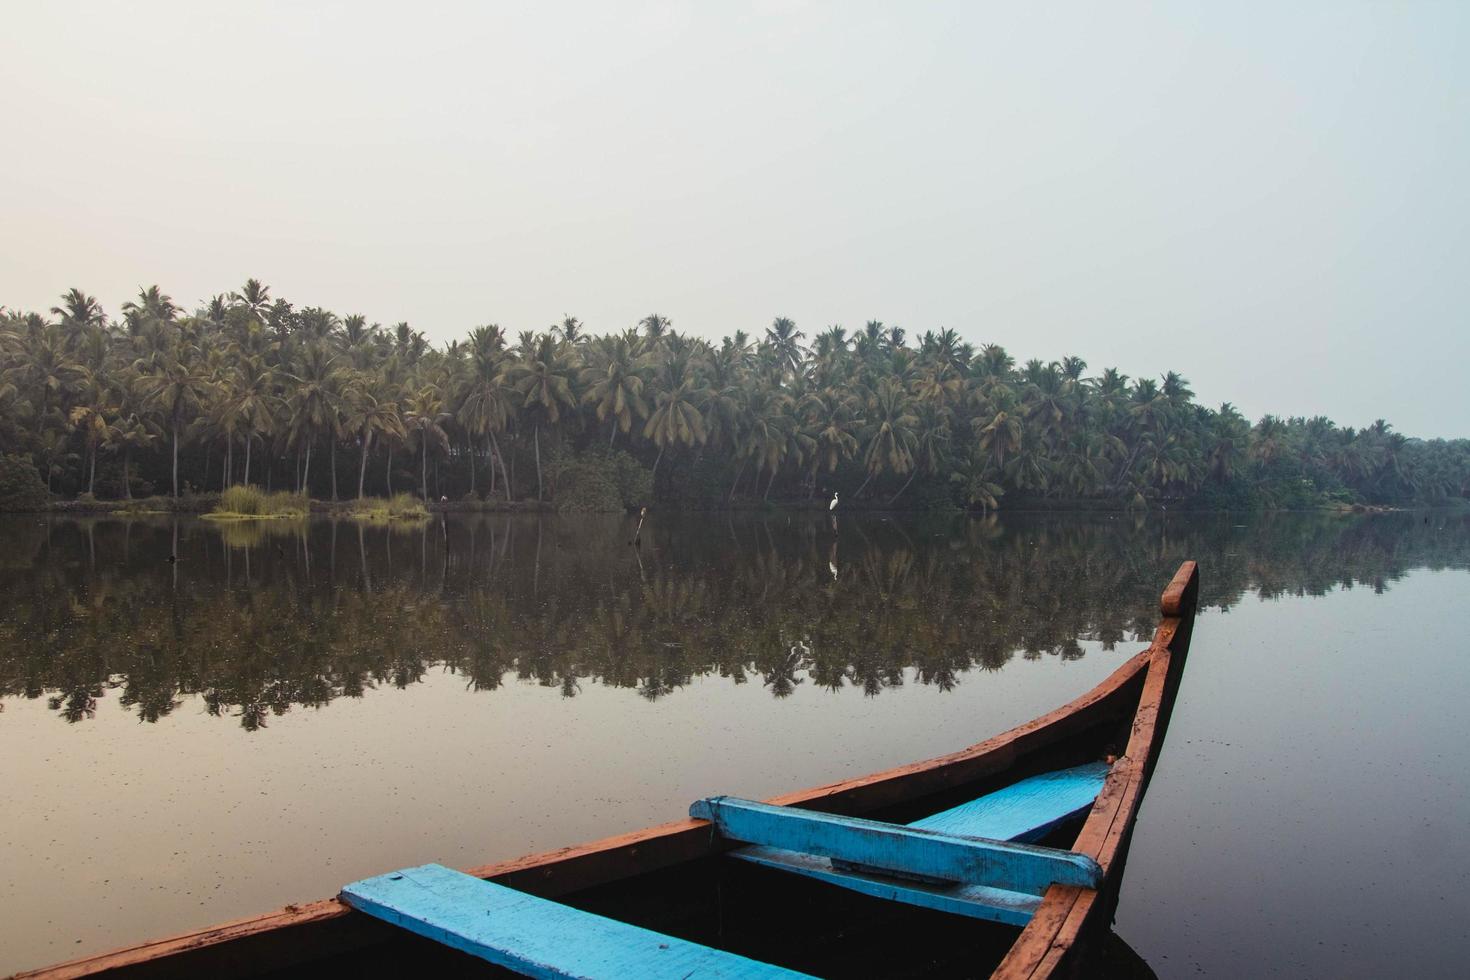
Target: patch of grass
[251, 503]
[401, 507]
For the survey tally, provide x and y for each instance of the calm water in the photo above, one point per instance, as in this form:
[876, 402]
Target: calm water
[290, 707]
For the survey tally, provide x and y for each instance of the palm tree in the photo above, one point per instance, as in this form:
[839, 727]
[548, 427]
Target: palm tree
[613, 385]
[367, 416]
[485, 406]
[174, 390]
[998, 436]
[571, 331]
[1229, 439]
[888, 437]
[253, 403]
[655, 325]
[832, 426]
[127, 434]
[542, 381]
[254, 297]
[785, 342]
[1269, 441]
[931, 443]
[152, 307]
[424, 420]
[976, 484]
[92, 423]
[676, 419]
[763, 435]
[90, 417]
[79, 312]
[313, 404]
[48, 368]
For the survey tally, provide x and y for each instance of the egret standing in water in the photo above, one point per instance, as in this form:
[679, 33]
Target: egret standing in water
[833, 505]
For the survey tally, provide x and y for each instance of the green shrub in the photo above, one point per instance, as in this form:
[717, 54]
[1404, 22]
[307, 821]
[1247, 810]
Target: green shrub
[599, 481]
[693, 485]
[20, 485]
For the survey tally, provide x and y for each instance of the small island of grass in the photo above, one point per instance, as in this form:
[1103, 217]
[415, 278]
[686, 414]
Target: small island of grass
[400, 507]
[250, 503]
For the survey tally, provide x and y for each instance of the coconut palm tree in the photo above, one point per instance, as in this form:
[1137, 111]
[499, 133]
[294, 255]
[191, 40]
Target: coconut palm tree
[176, 391]
[930, 443]
[613, 386]
[312, 405]
[254, 297]
[999, 436]
[367, 416]
[655, 326]
[79, 313]
[1229, 441]
[543, 383]
[424, 419]
[676, 419]
[253, 404]
[487, 401]
[832, 425]
[785, 343]
[130, 433]
[889, 437]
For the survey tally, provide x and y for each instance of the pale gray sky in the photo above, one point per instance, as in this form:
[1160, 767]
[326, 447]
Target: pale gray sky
[1269, 198]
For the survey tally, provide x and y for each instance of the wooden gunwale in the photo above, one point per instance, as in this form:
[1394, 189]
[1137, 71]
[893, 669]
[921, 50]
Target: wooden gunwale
[1045, 945]
[265, 941]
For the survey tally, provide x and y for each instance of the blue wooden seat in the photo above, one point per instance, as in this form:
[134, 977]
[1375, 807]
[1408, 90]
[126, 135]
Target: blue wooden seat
[973, 860]
[534, 936]
[1022, 812]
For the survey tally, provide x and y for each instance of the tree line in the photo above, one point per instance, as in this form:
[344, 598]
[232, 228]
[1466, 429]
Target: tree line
[251, 389]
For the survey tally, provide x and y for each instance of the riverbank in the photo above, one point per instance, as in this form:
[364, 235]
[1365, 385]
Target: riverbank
[207, 505]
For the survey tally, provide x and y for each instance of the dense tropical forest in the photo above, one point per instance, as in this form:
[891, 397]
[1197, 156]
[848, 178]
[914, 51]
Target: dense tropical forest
[250, 389]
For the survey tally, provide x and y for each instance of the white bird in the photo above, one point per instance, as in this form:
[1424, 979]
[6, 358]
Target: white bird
[833, 505]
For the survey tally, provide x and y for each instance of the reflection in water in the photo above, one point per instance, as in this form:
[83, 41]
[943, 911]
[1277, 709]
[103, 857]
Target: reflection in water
[256, 618]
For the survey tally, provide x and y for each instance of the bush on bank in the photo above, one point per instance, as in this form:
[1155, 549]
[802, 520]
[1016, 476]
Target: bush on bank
[20, 485]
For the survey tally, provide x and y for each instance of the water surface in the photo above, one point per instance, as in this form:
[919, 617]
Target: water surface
[290, 706]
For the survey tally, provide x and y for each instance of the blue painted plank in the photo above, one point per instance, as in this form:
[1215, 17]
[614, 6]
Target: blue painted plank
[905, 850]
[974, 901]
[1025, 811]
[536, 937]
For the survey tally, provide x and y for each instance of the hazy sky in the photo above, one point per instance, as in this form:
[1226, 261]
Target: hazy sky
[1270, 198]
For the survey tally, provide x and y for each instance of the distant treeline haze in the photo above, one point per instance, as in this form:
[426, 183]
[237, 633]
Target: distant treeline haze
[248, 388]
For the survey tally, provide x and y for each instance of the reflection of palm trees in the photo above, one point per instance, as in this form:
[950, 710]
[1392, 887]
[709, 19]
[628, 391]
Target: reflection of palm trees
[924, 609]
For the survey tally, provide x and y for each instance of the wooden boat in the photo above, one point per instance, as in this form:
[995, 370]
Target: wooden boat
[1003, 857]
